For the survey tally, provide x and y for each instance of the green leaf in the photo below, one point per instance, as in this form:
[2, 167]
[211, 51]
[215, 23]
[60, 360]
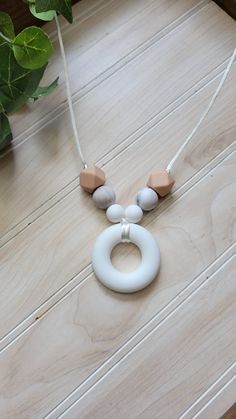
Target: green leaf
[32, 48]
[61, 6]
[46, 16]
[6, 25]
[5, 132]
[16, 83]
[44, 90]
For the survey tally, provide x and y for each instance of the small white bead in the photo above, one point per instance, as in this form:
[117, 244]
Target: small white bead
[104, 196]
[133, 213]
[147, 199]
[115, 213]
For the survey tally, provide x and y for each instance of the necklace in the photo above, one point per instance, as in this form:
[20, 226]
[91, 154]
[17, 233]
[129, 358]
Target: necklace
[125, 220]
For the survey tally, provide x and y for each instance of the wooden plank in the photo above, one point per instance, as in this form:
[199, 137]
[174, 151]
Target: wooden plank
[64, 335]
[217, 407]
[47, 163]
[175, 362]
[50, 252]
[212, 392]
[108, 32]
[73, 340]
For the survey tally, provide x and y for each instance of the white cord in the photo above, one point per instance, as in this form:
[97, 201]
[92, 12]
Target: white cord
[188, 139]
[69, 98]
[190, 136]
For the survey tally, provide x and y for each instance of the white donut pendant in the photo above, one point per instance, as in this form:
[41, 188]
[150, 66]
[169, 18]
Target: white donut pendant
[126, 282]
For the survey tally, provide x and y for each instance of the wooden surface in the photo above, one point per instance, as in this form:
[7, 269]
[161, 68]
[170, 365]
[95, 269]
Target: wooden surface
[142, 73]
[21, 16]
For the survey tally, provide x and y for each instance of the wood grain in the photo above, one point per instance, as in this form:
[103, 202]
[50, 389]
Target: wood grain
[219, 390]
[153, 380]
[221, 403]
[70, 347]
[86, 42]
[108, 117]
[89, 330]
[56, 249]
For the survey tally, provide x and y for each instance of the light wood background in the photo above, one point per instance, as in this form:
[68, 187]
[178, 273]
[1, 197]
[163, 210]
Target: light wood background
[142, 74]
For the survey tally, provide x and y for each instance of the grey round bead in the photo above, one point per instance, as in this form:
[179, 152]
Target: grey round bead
[104, 196]
[147, 199]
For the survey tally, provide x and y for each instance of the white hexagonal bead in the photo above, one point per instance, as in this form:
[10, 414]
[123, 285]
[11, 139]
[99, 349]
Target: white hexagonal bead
[147, 199]
[115, 213]
[133, 213]
[104, 196]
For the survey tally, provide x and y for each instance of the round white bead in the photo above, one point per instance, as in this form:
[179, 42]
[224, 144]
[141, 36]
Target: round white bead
[147, 199]
[133, 213]
[115, 213]
[104, 196]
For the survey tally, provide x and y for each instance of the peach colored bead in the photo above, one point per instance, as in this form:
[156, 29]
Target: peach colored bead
[91, 178]
[161, 182]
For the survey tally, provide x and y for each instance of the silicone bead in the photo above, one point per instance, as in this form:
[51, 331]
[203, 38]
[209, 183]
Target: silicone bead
[147, 199]
[115, 213]
[126, 282]
[104, 196]
[133, 213]
[161, 181]
[91, 178]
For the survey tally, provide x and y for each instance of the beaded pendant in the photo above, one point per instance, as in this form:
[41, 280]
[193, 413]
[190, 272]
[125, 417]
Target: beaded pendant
[125, 230]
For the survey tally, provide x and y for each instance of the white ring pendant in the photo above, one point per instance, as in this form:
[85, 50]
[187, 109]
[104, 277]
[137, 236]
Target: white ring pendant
[126, 282]
[92, 180]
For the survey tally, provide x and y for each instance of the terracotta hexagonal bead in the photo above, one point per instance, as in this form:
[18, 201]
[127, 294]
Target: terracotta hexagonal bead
[91, 178]
[161, 181]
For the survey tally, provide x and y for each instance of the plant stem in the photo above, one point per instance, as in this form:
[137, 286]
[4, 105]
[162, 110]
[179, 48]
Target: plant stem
[8, 40]
[12, 42]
